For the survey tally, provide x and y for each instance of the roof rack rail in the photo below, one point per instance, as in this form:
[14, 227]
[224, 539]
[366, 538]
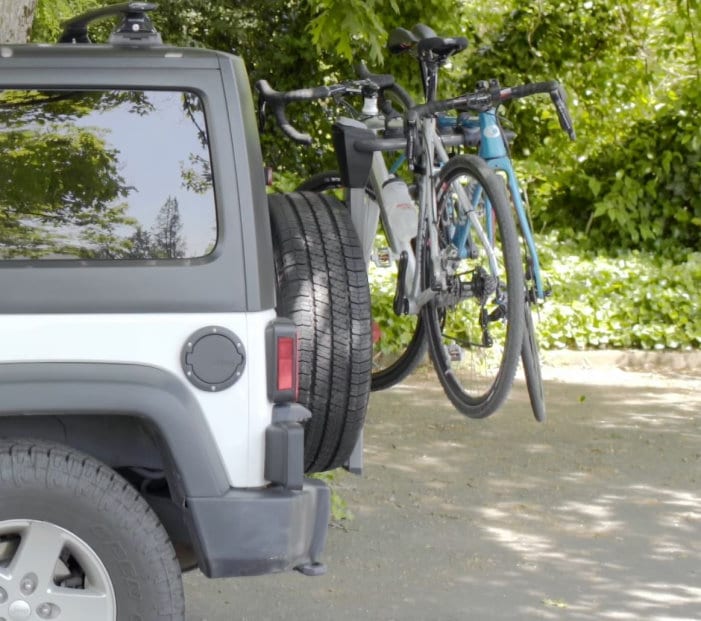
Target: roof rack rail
[134, 29]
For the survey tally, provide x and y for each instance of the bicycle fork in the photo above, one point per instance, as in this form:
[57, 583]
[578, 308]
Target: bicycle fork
[494, 151]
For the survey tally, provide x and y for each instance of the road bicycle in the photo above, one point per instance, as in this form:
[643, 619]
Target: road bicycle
[485, 133]
[469, 298]
[409, 342]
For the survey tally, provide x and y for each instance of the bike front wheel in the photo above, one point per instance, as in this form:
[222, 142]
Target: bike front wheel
[475, 321]
[530, 356]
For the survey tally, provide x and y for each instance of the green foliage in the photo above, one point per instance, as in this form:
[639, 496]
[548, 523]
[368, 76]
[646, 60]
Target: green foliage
[646, 194]
[339, 507]
[350, 27]
[50, 14]
[630, 300]
[632, 72]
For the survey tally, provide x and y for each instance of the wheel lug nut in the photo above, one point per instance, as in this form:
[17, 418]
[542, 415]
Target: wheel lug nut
[28, 584]
[48, 611]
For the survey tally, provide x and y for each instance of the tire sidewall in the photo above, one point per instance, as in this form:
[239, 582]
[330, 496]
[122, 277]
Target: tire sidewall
[106, 522]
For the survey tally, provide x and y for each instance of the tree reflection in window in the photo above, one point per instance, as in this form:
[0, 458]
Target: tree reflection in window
[102, 175]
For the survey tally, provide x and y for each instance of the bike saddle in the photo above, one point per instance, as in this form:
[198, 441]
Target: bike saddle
[401, 40]
[422, 31]
[440, 47]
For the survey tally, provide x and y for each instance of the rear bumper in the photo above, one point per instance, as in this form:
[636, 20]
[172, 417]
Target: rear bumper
[248, 532]
[253, 532]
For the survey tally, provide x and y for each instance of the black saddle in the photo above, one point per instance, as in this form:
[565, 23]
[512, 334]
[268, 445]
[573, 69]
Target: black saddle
[424, 42]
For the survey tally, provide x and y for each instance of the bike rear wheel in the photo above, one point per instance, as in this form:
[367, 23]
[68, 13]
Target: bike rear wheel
[475, 322]
[399, 342]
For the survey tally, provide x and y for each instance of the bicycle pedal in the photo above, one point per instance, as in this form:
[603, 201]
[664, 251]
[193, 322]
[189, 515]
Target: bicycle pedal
[455, 353]
[382, 258]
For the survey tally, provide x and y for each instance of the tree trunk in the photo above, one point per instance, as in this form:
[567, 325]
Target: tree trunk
[16, 20]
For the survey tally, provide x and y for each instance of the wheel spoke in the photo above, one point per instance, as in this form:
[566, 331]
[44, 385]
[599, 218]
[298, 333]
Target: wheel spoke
[37, 554]
[474, 326]
[82, 604]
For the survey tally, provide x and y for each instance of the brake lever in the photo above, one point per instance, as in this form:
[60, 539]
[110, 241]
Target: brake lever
[559, 99]
[262, 117]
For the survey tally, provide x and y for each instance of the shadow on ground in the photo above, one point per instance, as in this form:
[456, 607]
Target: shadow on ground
[594, 515]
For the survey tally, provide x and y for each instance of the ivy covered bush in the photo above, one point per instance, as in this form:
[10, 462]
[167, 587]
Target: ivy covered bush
[632, 300]
[646, 193]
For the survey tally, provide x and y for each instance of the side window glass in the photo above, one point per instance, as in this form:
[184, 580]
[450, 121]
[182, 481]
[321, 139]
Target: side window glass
[108, 175]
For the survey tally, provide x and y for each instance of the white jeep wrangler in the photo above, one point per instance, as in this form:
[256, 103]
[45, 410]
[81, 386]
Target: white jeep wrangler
[157, 411]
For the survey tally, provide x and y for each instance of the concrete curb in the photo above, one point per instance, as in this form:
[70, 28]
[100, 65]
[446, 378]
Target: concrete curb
[687, 363]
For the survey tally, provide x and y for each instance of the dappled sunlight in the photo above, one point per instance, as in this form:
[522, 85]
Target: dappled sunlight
[538, 448]
[671, 497]
[604, 497]
[531, 547]
[589, 519]
[665, 593]
[634, 534]
[594, 515]
[666, 548]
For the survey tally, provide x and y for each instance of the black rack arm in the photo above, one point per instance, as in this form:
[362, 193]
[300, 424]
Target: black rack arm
[135, 25]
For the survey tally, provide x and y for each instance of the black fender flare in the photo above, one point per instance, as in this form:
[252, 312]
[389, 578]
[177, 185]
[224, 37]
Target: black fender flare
[154, 395]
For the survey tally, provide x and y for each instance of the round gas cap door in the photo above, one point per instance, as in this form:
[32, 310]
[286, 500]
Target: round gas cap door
[213, 358]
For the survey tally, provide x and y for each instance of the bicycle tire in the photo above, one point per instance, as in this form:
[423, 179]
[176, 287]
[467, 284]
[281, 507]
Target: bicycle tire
[464, 347]
[530, 357]
[384, 375]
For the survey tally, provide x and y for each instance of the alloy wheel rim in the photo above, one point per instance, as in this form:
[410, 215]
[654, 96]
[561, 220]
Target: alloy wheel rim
[48, 572]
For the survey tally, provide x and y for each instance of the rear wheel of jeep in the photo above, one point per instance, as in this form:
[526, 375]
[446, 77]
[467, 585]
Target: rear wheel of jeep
[78, 542]
[322, 286]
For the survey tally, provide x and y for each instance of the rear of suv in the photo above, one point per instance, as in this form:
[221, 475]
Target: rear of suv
[151, 415]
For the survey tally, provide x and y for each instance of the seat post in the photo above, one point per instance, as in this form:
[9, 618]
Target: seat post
[429, 76]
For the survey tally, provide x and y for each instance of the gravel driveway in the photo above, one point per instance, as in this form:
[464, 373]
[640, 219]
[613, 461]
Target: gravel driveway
[595, 514]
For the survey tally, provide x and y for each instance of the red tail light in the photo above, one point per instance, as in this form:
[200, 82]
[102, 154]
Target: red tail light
[283, 373]
[286, 363]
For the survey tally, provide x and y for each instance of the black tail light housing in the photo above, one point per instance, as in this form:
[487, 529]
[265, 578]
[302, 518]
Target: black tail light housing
[282, 360]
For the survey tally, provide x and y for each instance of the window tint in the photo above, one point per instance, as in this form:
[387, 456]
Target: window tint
[104, 175]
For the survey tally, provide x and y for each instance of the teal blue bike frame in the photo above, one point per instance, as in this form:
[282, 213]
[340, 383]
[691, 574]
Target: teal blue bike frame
[493, 150]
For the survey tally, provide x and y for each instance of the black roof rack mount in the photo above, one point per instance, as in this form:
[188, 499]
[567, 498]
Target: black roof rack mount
[134, 29]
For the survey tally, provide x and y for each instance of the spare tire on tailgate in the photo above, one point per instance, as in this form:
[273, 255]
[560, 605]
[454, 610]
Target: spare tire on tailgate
[322, 286]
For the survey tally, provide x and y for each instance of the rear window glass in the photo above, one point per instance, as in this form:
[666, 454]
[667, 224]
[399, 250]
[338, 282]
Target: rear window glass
[108, 175]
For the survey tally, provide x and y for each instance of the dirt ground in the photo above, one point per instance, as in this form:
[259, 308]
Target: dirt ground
[595, 514]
